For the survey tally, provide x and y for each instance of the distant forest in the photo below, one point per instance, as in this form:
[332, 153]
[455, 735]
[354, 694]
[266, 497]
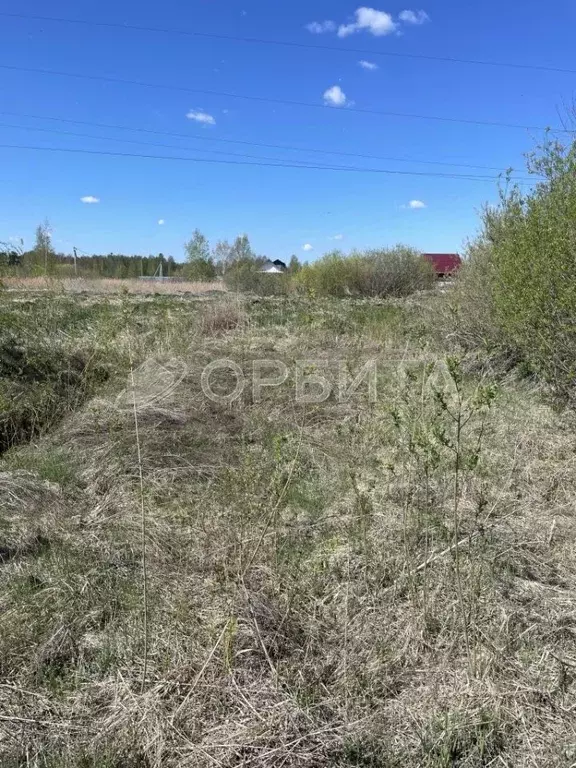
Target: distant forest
[202, 262]
[109, 265]
[44, 260]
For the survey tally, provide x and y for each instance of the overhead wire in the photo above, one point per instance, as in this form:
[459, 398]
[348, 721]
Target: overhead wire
[313, 150]
[261, 161]
[189, 137]
[291, 44]
[384, 171]
[284, 102]
[148, 143]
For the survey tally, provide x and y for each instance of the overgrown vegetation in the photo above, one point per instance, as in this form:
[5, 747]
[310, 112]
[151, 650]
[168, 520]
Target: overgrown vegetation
[199, 262]
[342, 583]
[246, 276]
[57, 351]
[380, 576]
[396, 272]
[517, 297]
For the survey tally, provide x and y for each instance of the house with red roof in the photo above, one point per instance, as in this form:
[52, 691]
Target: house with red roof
[445, 264]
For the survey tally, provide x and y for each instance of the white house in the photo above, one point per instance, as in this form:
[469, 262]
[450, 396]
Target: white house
[273, 267]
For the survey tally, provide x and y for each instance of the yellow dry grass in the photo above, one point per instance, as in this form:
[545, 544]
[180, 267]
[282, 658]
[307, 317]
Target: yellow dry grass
[110, 286]
[327, 585]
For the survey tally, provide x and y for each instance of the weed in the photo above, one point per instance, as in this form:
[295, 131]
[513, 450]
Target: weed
[336, 584]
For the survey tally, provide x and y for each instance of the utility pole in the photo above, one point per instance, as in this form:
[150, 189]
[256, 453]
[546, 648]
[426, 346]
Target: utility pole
[43, 236]
[75, 265]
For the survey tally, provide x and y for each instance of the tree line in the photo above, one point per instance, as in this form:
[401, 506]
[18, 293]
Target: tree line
[202, 262]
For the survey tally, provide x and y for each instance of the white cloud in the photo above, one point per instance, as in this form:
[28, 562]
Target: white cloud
[368, 65]
[90, 199]
[416, 204]
[337, 237]
[201, 117]
[307, 247]
[161, 221]
[414, 17]
[378, 23]
[335, 97]
[319, 27]
[15, 239]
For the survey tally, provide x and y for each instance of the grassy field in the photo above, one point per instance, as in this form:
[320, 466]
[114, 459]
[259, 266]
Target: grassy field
[375, 582]
[107, 286]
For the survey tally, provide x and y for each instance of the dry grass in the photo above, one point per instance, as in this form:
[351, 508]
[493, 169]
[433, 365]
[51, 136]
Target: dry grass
[303, 599]
[110, 286]
[221, 316]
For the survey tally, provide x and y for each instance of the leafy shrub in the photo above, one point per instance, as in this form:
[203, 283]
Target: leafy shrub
[245, 276]
[202, 270]
[466, 315]
[332, 275]
[521, 282]
[395, 272]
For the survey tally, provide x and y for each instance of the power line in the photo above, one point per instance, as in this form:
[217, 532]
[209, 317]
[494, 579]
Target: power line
[304, 164]
[259, 164]
[297, 164]
[269, 100]
[246, 143]
[291, 44]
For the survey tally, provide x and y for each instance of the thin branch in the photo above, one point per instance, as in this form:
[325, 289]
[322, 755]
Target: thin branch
[142, 523]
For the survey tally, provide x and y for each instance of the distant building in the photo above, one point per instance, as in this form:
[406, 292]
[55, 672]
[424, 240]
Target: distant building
[445, 264]
[274, 267]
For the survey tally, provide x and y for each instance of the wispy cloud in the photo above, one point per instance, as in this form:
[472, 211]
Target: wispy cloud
[414, 17]
[307, 247]
[161, 221]
[370, 65]
[335, 97]
[370, 20]
[320, 27]
[90, 199]
[416, 204]
[201, 117]
[337, 237]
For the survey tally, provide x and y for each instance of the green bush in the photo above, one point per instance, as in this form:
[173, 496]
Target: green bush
[245, 276]
[393, 272]
[332, 275]
[522, 279]
[202, 270]
[466, 314]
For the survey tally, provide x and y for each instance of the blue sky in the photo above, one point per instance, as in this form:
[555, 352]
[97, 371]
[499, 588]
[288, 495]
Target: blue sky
[282, 209]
